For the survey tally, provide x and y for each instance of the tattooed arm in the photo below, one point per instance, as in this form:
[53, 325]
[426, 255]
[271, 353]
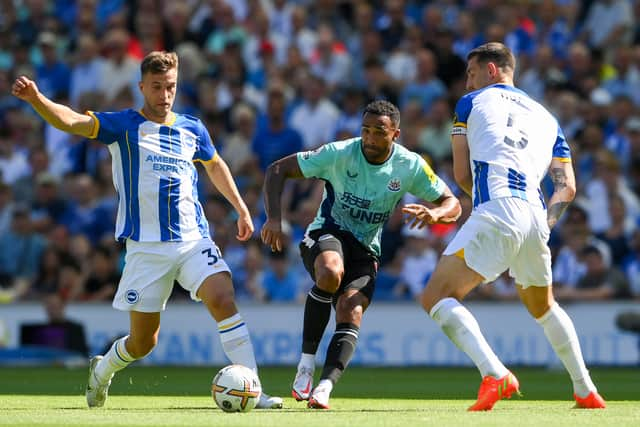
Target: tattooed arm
[564, 189]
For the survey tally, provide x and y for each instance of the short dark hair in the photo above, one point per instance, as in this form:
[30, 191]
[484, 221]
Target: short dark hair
[494, 52]
[157, 62]
[384, 108]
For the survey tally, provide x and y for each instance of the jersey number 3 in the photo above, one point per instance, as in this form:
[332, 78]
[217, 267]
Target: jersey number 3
[515, 136]
[213, 258]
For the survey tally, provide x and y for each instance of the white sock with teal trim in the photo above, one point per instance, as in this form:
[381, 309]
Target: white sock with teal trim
[236, 343]
[116, 359]
[462, 328]
[561, 333]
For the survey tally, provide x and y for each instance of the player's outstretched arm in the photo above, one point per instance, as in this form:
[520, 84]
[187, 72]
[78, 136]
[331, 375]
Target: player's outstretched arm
[564, 189]
[448, 210]
[461, 167]
[58, 115]
[220, 176]
[277, 174]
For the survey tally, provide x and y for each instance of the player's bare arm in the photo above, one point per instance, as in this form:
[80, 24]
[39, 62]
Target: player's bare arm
[58, 115]
[461, 167]
[275, 177]
[220, 176]
[448, 210]
[564, 189]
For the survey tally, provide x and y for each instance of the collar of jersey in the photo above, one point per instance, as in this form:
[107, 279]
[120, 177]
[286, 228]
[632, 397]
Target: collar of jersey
[169, 122]
[508, 87]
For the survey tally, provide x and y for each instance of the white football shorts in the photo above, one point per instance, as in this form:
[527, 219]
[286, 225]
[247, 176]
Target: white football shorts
[152, 267]
[506, 233]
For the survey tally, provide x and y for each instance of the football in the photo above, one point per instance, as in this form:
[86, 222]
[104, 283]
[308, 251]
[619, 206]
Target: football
[236, 388]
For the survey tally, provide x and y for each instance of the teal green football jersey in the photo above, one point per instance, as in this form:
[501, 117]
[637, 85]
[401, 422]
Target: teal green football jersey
[360, 196]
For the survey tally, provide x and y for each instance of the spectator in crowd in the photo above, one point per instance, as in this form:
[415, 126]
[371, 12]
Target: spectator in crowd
[631, 264]
[280, 281]
[20, 252]
[48, 207]
[238, 147]
[103, 278]
[58, 332]
[52, 73]
[426, 87]
[316, 116]
[608, 181]
[250, 273]
[435, 136]
[330, 60]
[88, 68]
[601, 281]
[25, 187]
[608, 23]
[276, 138]
[418, 262]
[120, 70]
[619, 232]
[6, 208]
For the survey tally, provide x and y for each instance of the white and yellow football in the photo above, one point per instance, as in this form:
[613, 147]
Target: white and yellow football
[236, 388]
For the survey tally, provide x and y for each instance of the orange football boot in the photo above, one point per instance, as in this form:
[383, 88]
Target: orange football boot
[492, 389]
[592, 401]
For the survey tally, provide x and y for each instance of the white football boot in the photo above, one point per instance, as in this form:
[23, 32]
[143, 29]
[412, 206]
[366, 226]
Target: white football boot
[269, 402]
[96, 393]
[319, 398]
[302, 384]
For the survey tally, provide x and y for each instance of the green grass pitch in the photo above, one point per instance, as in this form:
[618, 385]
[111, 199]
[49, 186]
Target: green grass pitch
[180, 396]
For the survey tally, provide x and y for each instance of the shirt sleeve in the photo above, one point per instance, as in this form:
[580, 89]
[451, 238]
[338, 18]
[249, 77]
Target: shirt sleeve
[561, 149]
[463, 109]
[426, 184]
[319, 162]
[205, 150]
[109, 126]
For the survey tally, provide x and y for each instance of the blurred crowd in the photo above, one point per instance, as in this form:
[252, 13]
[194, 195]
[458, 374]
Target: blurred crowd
[273, 77]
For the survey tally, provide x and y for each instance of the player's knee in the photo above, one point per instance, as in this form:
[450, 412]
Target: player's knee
[329, 276]
[538, 309]
[221, 299]
[349, 311]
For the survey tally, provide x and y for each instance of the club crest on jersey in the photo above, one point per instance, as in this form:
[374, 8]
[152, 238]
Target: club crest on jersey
[189, 140]
[394, 185]
[132, 296]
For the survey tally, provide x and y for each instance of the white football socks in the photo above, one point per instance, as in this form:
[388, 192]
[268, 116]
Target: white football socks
[236, 343]
[307, 361]
[561, 333]
[116, 359]
[462, 328]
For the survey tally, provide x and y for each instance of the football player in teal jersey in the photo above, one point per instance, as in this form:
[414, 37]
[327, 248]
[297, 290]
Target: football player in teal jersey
[365, 178]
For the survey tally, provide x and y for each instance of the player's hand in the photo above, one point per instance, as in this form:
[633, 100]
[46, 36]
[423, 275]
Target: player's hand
[245, 227]
[419, 215]
[271, 234]
[25, 89]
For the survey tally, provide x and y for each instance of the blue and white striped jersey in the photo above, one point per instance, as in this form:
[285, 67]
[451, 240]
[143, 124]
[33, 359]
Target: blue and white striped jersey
[511, 139]
[154, 174]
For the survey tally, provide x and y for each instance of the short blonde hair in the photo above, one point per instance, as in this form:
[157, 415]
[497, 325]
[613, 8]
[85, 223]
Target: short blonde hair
[157, 62]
